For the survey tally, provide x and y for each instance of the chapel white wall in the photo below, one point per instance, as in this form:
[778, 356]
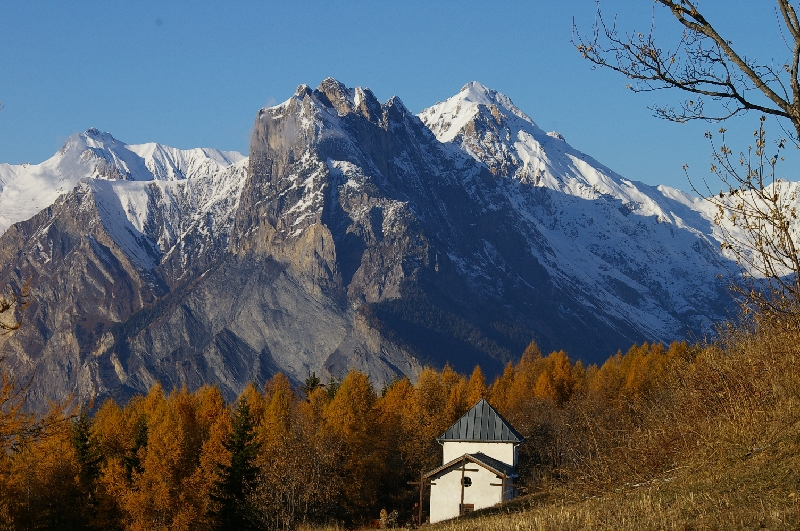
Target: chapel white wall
[446, 493]
[505, 452]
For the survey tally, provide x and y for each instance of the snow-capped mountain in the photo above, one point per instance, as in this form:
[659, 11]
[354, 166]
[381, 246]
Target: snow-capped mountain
[355, 234]
[643, 253]
[25, 189]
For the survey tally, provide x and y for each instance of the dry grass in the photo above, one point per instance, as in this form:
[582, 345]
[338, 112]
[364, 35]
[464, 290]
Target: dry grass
[728, 422]
[716, 447]
[761, 491]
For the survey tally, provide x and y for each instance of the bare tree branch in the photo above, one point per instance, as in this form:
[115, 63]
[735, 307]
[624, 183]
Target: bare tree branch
[703, 63]
[757, 217]
[757, 212]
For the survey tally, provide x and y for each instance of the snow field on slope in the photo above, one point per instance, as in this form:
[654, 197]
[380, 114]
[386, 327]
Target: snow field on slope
[605, 236]
[26, 189]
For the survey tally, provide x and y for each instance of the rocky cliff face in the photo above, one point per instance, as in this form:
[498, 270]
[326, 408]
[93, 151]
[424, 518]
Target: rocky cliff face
[355, 235]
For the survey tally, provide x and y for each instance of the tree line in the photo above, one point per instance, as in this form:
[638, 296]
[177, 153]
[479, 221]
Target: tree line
[282, 455]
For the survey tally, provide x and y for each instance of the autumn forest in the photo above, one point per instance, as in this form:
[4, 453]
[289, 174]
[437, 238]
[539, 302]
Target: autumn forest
[337, 451]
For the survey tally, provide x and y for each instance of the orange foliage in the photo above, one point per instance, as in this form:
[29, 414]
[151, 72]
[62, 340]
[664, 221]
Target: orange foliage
[476, 388]
[342, 452]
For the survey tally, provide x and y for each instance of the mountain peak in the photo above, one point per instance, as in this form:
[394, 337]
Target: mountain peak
[91, 138]
[477, 92]
[332, 100]
[302, 90]
[27, 188]
[447, 119]
[487, 126]
[339, 96]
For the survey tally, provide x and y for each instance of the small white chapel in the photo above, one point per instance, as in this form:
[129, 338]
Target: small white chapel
[479, 464]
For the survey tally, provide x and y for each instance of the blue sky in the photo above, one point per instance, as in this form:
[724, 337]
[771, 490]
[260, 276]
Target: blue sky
[194, 74]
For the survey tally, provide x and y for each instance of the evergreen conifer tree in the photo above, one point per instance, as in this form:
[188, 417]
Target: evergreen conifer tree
[311, 384]
[89, 460]
[86, 450]
[234, 481]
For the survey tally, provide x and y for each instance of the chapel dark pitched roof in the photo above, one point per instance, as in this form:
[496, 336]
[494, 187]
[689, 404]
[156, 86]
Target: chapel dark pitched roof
[482, 423]
[493, 465]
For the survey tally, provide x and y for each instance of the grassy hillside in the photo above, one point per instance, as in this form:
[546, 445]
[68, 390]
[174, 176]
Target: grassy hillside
[715, 446]
[759, 491]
